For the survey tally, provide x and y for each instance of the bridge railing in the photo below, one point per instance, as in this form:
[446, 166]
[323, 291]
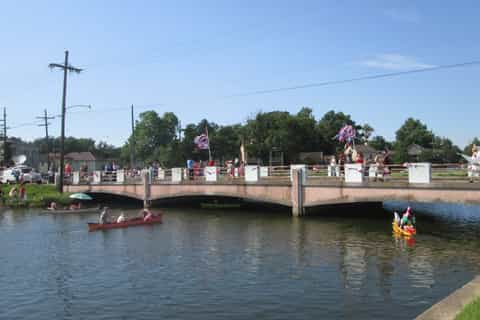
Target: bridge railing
[409, 173]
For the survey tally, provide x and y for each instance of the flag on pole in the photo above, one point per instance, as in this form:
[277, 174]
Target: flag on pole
[201, 142]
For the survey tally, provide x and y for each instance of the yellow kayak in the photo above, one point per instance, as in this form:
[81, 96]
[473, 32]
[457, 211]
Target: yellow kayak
[398, 230]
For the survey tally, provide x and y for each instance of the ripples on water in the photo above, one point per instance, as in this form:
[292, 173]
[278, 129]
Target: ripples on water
[235, 265]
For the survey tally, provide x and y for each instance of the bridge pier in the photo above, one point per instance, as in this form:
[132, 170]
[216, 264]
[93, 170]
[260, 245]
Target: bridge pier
[297, 192]
[146, 188]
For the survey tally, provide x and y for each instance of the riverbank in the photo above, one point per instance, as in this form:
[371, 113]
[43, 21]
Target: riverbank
[452, 306]
[471, 311]
[38, 196]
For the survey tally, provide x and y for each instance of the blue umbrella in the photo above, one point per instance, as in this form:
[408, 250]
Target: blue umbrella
[80, 196]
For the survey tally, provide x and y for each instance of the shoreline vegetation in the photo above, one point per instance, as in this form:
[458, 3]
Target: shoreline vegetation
[37, 196]
[471, 311]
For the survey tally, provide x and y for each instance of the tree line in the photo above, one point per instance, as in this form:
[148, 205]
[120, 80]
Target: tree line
[159, 138]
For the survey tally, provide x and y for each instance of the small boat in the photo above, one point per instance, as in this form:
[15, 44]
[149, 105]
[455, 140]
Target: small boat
[126, 224]
[405, 232]
[76, 211]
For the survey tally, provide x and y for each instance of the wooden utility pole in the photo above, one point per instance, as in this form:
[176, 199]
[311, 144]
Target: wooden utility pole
[132, 142]
[5, 147]
[45, 118]
[66, 68]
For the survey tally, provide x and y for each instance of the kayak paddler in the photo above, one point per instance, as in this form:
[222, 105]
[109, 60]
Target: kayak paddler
[407, 218]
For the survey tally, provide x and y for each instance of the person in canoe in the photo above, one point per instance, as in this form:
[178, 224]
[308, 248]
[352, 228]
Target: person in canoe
[52, 206]
[121, 218]
[147, 214]
[104, 216]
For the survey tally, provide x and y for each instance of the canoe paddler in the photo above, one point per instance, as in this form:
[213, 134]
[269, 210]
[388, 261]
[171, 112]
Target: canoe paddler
[147, 214]
[121, 218]
[103, 216]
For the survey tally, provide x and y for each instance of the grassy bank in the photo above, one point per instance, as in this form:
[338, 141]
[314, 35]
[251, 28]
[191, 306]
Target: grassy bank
[38, 195]
[471, 311]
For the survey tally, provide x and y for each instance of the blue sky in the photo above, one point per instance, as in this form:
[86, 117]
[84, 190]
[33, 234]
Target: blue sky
[190, 56]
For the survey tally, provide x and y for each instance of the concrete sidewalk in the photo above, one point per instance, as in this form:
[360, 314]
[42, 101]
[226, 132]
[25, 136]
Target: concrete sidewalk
[451, 306]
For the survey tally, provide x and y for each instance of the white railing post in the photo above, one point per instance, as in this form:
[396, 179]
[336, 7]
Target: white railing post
[354, 173]
[252, 173]
[263, 172]
[211, 174]
[419, 172]
[97, 177]
[120, 176]
[76, 177]
[161, 174]
[300, 167]
[177, 174]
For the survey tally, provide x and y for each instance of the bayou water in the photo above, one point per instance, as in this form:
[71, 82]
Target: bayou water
[236, 264]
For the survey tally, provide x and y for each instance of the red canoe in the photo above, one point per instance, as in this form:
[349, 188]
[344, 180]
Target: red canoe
[126, 224]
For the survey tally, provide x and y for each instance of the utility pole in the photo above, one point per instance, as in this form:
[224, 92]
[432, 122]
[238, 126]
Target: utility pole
[132, 142]
[66, 68]
[5, 147]
[45, 118]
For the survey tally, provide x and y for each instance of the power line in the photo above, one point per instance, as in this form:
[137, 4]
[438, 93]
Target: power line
[372, 77]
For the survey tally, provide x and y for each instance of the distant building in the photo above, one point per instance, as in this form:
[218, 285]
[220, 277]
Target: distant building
[414, 151]
[77, 159]
[367, 151]
[311, 157]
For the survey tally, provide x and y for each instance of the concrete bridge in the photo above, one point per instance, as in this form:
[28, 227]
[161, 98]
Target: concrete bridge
[298, 189]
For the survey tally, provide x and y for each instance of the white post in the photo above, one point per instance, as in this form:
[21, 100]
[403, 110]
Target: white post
[420, 172]
[161, 174]
[210, 174]
[353, 173]
[301, 167]
[97, 177]
[252, 173]
[76, 177]
[177, 174]
[120, 176]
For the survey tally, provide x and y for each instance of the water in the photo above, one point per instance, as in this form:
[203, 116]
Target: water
[229, 265]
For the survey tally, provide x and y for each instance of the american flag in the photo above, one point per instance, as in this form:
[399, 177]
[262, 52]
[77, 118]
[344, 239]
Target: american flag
[201, 141]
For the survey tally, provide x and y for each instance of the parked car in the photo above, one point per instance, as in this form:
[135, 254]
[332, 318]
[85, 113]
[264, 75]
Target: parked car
[20, 173]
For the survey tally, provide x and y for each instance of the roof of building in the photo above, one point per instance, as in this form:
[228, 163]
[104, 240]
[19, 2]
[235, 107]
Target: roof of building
[414, 150]
[365, 149]
[80, 156]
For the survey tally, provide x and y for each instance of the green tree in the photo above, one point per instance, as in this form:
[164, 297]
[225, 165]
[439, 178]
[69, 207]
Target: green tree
[468, 148]
[411, 132]
[379, 143]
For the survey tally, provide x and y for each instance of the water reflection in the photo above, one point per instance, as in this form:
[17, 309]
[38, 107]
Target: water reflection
[234, 264]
